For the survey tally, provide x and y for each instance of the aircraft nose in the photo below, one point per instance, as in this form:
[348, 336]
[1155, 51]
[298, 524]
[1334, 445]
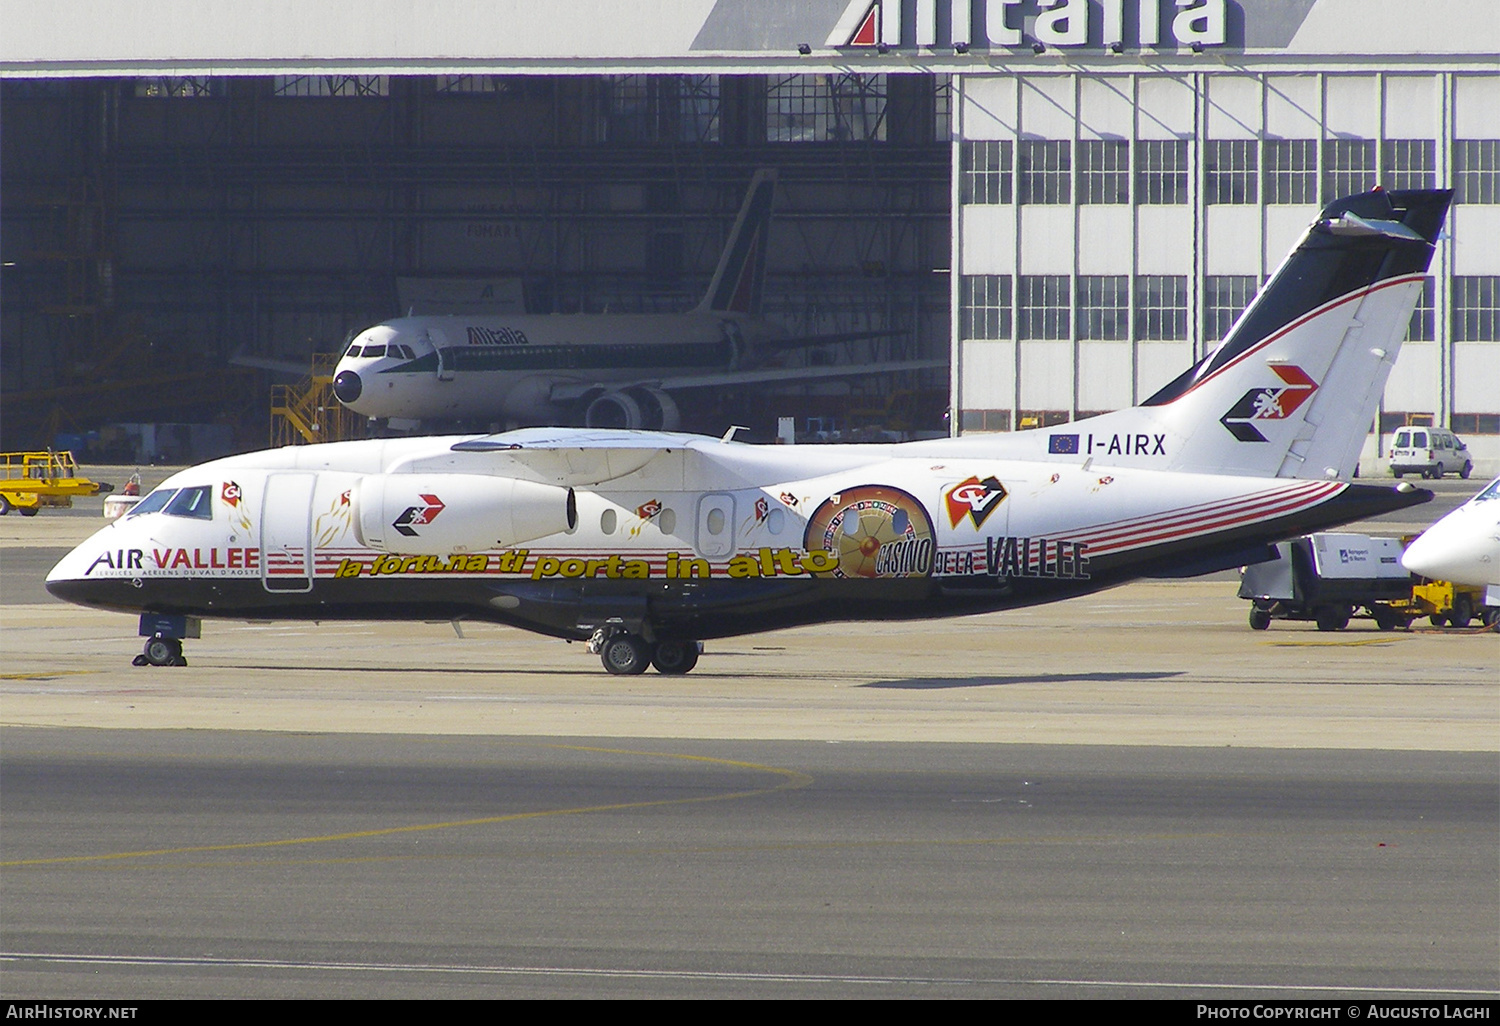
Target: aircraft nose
[1440, 557]
[347, 386]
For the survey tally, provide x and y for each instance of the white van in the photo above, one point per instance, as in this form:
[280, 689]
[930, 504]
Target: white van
[1429, 451]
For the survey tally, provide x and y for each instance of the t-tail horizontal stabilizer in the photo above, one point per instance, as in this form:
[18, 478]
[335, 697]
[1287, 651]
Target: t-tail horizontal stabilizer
[1294, 385]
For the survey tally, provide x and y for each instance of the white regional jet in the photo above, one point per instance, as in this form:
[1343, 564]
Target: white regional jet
[1464, 547]
[647, 543]
[609, 370]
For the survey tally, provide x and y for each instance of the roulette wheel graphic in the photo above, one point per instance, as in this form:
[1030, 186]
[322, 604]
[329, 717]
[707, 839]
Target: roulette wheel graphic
[873, 531]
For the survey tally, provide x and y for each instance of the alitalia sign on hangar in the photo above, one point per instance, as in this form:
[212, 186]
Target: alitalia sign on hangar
[886, 24]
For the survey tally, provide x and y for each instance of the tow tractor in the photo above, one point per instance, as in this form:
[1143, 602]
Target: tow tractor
[31, 480]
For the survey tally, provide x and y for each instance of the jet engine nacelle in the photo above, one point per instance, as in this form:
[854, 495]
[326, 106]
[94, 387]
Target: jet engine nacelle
[440, 514]
[638, 408]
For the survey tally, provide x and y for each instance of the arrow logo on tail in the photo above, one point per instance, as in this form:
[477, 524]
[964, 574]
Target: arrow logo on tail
[1274, 403]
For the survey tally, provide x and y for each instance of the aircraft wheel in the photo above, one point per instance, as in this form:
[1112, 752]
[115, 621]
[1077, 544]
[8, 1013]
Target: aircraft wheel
[626, 655]
[1259, 619]
[1463, 611]
[1468, 469]
[1332, 618]
[164, 652]
[675, 657]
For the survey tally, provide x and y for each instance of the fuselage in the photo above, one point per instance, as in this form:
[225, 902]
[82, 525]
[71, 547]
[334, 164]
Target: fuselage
[696, 537]
[526, 369]
[1464, 546]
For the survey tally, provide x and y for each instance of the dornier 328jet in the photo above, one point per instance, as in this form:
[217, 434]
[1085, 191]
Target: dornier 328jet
[601, 370]
[645, 544]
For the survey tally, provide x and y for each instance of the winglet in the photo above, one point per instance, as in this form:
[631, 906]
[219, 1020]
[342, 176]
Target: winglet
[738, 280]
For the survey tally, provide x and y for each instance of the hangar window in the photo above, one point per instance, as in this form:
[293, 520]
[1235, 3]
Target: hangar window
[984, 306]
[1045, 307]
[942, 108]
[1478, 424]
[1476, 308]
[1348, 167]
[1476, 167]
[1104, 307]
[1161, 307]
[331, 85]
[1408, 163]
[663, 108]
[1103, 171]
[1046, 170]
[472, 84]
[162, 88]
[826, 108]
[984, 420]
[1291, 170]
[1225, 298]
[1422, 320]
[987, 170]
[1161, 171]
[1232, 169]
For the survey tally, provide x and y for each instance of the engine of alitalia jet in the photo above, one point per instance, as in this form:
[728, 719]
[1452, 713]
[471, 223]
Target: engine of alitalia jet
[440, 514]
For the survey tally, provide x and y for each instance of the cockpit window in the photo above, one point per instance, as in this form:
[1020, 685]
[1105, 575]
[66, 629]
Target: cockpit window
[193, 502]
[374, 351]
[153, 502]
[353, 351]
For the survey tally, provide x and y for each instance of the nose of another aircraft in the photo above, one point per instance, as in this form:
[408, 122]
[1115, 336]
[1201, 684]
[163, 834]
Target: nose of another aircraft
[347, 386]
[1445, 554]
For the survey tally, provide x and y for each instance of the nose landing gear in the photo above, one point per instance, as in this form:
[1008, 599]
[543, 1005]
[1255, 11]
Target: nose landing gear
[160, 651]
[164, 636]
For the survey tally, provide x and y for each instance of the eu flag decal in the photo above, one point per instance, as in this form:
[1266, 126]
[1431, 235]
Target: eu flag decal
[1065, 444]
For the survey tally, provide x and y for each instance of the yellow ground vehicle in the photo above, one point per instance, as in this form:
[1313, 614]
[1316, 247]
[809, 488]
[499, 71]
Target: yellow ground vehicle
[1444, 602]
[31, 480]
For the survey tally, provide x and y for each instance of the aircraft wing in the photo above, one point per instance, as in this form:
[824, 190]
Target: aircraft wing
[571, 456]
[569, 391]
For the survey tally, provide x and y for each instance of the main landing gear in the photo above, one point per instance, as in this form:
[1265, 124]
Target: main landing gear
[627, 654]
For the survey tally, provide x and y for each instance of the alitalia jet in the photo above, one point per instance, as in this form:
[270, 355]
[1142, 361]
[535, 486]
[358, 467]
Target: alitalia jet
[603, 370]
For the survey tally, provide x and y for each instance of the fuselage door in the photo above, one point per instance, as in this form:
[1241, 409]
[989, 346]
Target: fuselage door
[444, 363]
[716, 526]
[286, 556]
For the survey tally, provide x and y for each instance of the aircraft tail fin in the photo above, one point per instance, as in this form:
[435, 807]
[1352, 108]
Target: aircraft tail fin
[740, 277]
[1293, 387]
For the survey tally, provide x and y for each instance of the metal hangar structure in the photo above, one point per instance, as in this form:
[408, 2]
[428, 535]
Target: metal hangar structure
[1070, 199]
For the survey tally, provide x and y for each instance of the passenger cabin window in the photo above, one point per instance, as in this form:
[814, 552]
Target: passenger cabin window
[153, 502]
[192, 502]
